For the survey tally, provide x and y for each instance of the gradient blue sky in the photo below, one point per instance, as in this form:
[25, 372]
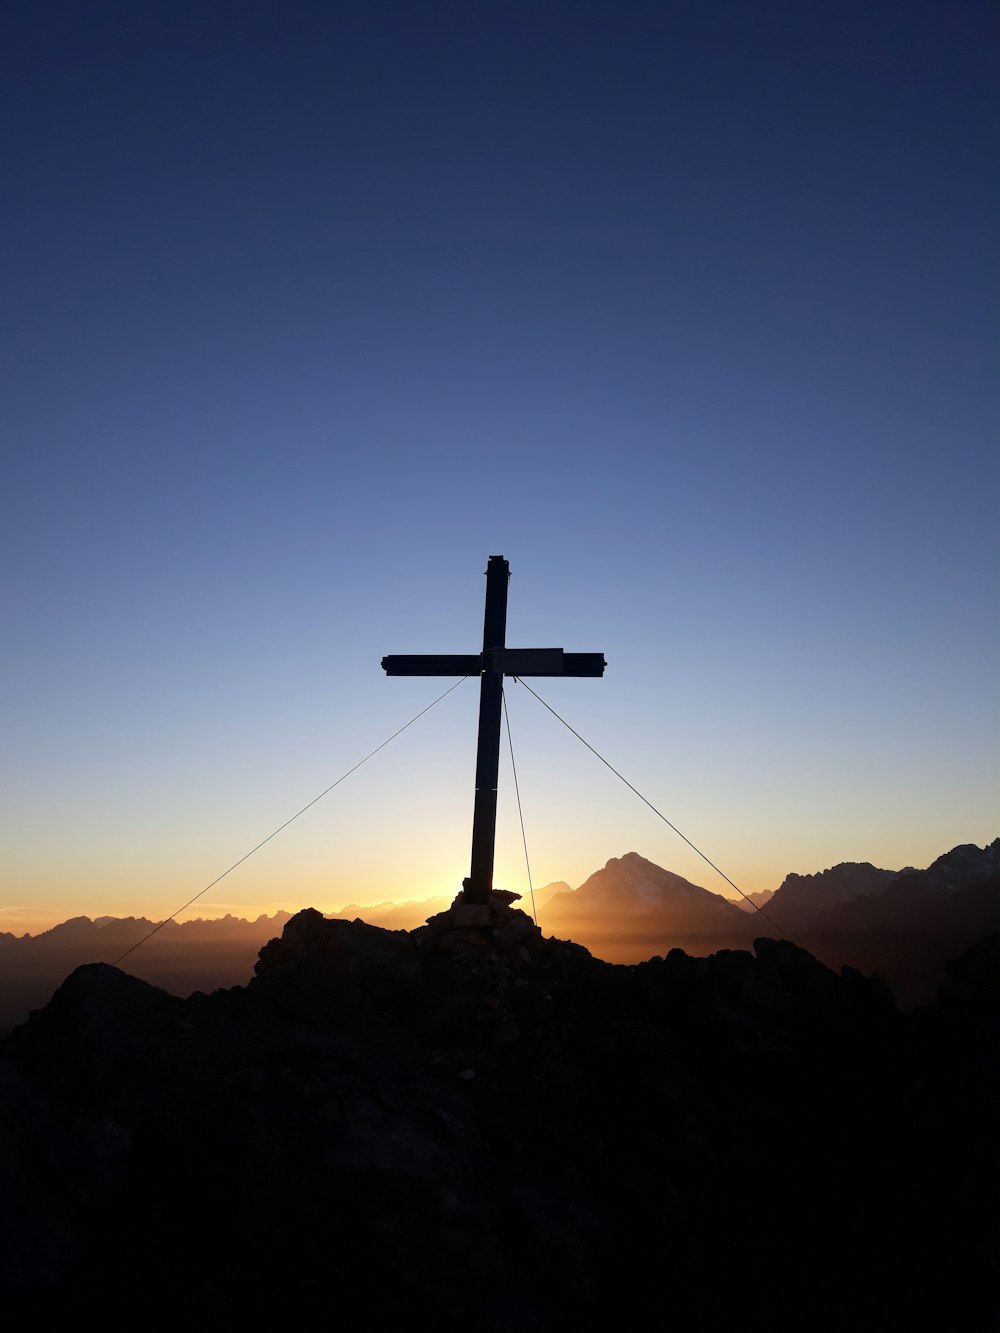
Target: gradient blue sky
[687, 309]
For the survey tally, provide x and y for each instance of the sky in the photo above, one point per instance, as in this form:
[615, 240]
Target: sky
[686, 309]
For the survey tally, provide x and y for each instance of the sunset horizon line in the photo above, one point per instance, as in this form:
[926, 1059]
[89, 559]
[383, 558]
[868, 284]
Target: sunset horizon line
[34, 922]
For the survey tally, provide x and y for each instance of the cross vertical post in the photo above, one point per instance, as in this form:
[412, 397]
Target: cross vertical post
[484, 818]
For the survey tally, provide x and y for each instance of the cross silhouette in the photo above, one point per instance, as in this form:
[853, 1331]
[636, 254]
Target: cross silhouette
[491, 665]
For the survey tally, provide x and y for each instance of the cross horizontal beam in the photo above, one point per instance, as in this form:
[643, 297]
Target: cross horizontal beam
[433, 664]
[498, 661]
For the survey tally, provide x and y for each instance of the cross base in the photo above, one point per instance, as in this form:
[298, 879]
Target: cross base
[470, 910]
[470, 914]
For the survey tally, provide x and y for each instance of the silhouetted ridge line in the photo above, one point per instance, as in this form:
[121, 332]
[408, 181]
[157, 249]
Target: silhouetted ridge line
[652, 807]
[520, 815]
[371, 754]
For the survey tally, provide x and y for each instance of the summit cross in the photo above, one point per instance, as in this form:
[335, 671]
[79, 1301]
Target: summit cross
[491, 665]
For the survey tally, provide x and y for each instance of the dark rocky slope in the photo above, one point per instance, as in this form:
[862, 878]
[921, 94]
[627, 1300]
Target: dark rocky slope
[470, 1126]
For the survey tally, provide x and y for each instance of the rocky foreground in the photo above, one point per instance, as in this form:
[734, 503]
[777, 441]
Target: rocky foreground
[471, 1126]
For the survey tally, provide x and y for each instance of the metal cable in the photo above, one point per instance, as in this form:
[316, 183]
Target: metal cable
[520, 815]
[652, 807]
[280, 827]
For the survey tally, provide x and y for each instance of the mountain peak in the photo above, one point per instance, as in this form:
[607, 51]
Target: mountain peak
[632, 907]
[965, 864]
[799, 896]
[630, 859]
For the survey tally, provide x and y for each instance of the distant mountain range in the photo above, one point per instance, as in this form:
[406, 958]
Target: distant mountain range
[908, 926]
[905, 924]
[182, 957]
[751, 901]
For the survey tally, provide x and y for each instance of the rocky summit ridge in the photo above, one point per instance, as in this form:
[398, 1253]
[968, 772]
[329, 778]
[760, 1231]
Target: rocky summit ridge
[904, 924]
[475, 1126]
